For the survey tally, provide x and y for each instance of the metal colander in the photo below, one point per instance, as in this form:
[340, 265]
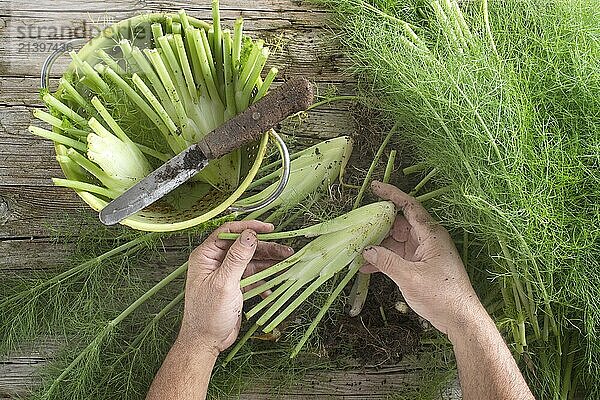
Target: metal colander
[199, 206]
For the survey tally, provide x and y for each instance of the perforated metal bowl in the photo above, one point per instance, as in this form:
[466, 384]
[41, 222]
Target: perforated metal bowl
[198, 206]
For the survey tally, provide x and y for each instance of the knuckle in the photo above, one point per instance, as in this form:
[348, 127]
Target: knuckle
[237, 255]
[439, 234]
[219, 284]
[418, 208]
[389, 261]
[264, 249]
[410, 207]
[197, 254]
[274, 251]
[394, 197]
[442, 233]
[227, 226]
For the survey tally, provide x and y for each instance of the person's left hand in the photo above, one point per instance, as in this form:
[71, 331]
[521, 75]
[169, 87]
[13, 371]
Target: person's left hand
[213, 299]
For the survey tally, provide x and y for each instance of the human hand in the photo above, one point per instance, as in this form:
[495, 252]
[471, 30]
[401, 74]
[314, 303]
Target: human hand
[421, 258]
[213, 299]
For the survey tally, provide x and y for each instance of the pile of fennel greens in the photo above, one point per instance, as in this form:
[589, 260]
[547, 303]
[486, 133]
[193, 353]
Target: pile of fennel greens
[500, 100]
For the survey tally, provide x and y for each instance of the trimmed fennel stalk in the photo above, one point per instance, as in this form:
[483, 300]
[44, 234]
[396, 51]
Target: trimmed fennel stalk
[58, 138]
[376, 158]
[423, 182]
[433, 194]
[331, 100]
[389, 168]
[413, 169]
[352, 270]
[86, 187]
[360, 288]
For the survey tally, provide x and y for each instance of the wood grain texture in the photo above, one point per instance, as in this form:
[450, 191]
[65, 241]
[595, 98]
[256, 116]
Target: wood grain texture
[296, 33]
[362, 383]
[23, 256]
[32, 210]
[27, 160]
[18, 375]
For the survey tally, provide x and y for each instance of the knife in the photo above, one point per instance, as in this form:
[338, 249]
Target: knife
[293, 96]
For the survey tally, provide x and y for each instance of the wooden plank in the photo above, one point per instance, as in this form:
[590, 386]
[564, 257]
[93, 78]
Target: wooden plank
[366, 383]
[31, 211]
[26, 255]
[28, 160]
[300, 43]
[33, 254]
[24, 158]
[87, 23]
[20, 91]
[19, 373]
[309, 53]
[69, 6]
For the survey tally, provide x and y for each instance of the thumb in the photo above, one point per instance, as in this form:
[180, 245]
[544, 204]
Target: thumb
[239, 255]
[387, 261]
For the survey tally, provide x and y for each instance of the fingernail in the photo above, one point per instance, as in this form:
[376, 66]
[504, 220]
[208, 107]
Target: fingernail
[290, 250]
[271, 226]
[248, 238]
[370, 255]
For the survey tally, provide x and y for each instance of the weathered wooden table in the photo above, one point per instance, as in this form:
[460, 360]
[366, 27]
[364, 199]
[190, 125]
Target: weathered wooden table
[31, 207]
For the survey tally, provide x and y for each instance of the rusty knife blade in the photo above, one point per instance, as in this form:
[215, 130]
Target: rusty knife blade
[153, 187]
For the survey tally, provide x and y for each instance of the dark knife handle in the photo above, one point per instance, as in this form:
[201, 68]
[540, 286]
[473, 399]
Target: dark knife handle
[293, 96]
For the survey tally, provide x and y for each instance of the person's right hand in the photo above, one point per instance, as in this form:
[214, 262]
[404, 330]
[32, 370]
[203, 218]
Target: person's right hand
[213, 298]
[421, 258]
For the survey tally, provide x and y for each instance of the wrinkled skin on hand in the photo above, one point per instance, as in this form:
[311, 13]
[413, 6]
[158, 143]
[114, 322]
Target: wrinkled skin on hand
[213, 298]
[421, 258]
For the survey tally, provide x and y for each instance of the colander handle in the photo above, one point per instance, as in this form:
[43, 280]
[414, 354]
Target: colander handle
[60, 50]
[285, 176]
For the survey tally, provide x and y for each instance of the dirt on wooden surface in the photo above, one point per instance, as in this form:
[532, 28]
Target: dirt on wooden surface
[386, 330]
[382, 334]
